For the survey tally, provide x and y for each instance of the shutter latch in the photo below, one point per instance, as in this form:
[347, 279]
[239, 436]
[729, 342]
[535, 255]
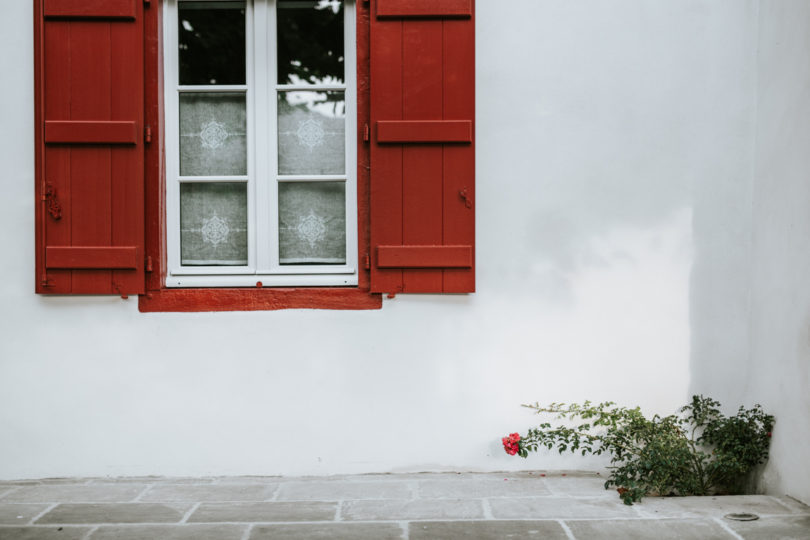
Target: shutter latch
[367, 261]
[465, 196]
[147, 132]
[49, 196]
[366, 133]
[148, 263]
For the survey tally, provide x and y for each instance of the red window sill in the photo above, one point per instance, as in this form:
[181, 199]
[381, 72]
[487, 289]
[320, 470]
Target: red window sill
[250, 299]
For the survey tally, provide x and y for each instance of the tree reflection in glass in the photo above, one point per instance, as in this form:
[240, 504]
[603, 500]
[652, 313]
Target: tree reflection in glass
[310, 42]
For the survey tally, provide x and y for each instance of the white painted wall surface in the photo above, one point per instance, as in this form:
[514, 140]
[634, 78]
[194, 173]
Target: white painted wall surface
[776, 372]
[615, 172]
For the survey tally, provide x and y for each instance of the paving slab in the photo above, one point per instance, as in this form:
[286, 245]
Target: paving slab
[783, 528]
[560, 508]
[264, 511]
[792, 504]
[398, 510]
[329, 531]
[20, 514]
[53, 493]
[481, 487]
[671, 529]
[579, 486]
[209, 492]
[170, 532]
[685, 507]
[486, 530]
[115, 513]
[44, 533]
[343, 489]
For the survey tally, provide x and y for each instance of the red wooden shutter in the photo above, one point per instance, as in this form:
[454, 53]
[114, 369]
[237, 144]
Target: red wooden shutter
[90, 162]
[422, 153]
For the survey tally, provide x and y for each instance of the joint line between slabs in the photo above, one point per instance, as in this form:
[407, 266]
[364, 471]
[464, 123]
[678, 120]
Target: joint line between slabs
[248, 530]
[487, 508]
[728, 529]
[38, 516]
[274, 496]
[9, 492]
[567, 530]
[90, 532]
[338, 510]
[190, 511]
[142, 493]
[406, 530]
[548, 487]
[780, 503]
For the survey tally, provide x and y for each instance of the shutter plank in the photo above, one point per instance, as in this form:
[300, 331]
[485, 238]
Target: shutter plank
[127, 162]
[424, 131]
[459, 161]
[91, 94]
[386, 161]
[91, 257]
[125, 9]
[84, 132]
[424, 8]
[422, 165]
[56, 102]
[424, 256]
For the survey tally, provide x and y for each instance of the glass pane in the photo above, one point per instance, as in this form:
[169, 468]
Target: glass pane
[310, 41]
[211, 38]
[312, 222]
[311, 133]
[213, 224]
[213, 134]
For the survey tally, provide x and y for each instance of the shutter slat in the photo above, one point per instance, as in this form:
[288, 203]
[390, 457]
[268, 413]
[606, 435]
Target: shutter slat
[91, 257]
[108, 9]
[424, 256]
[424, 131]
[424, 8]
[84, 132]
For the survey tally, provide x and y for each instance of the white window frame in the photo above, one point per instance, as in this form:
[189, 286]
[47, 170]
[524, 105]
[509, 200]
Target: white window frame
[262, 179]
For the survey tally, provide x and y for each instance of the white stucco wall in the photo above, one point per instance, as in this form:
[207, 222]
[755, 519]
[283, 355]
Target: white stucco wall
[615, 172]
[776, 372]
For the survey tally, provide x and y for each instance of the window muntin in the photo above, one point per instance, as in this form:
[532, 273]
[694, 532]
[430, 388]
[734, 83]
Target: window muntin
[261, 165]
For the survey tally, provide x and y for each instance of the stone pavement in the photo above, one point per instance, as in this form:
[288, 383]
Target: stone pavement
[379, 507]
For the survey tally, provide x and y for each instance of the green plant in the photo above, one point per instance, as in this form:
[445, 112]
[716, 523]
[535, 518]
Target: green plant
[696, 452]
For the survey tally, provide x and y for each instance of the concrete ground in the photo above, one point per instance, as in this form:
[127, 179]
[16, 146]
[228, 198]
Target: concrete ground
[378, 507]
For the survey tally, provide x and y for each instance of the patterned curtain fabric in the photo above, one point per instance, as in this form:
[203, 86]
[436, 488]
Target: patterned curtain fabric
[213, 224]
[312, 222]
[311, 133]
[213, 134]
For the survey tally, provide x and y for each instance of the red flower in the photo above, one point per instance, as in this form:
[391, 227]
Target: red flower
[511, 443]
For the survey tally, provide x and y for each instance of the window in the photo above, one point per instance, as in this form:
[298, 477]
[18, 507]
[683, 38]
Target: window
[218, 182]
[260, 143]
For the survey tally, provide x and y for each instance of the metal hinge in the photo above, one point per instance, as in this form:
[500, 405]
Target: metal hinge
[148, 263]
[147, 134]
[367, 261]
[366, 133]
